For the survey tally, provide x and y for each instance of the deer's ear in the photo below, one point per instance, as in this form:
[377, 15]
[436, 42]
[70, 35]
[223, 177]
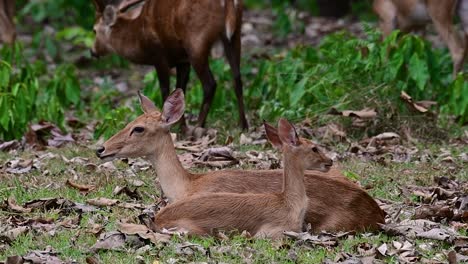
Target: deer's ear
[110, 15]
[99, 5]
[147, 105]
[287, 132]
[174, 107]
[272, 135]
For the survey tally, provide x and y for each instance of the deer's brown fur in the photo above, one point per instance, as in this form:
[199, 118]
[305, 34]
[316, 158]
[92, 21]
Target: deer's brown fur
[7, 26]
[175, 33]
[264, 215]
[335, 203]
[408, 15]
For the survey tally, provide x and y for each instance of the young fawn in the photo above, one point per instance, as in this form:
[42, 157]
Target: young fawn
[174, 33]
[334, 202]
[7, 26]
[262, 215]
[410, 14]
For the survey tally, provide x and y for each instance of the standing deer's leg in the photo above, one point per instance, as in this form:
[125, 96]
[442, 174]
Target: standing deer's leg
[183, 74]
[463, 14]
[163, 72]
[442, 19]
[7, 27]
[387, 13]
[10, 9]
[232, 49]
[202, 68]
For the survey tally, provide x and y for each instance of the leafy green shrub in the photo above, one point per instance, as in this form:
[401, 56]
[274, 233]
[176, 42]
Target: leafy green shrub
[27, 95]
[113, 121]
[60, 11]
[77, 35]
[346, 71]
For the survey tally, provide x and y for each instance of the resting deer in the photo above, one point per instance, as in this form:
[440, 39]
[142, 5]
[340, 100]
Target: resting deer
[334, 202]
[7, 26]
[174, 33]
[410, 14]
[261, 214]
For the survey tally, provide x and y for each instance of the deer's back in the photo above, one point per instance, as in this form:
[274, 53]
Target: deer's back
[207, 214]
[335, 203]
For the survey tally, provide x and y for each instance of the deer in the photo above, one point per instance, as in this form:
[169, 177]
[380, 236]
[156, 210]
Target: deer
[174, 33]
[265, 215]
[335, 203]
[408, 15]
[7, 26]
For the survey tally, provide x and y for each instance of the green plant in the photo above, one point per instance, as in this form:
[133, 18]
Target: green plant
[27, 95]
[62, 12]
[114, 121]
[77, 35]
[349, 72]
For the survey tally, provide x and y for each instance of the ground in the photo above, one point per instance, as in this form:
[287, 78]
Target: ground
[398, 186]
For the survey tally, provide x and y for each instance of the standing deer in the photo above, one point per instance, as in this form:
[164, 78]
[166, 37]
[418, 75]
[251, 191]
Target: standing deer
[7, 26]
[174, 33]
[261, 214]
[334, 202]
[411, 14]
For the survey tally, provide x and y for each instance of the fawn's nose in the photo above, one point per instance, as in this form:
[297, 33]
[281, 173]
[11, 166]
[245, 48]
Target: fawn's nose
[329, 163]
[100, 150]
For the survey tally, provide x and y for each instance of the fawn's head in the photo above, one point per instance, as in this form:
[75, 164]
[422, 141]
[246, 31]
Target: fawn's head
[109, 17]
[147, 134]
[286, 139]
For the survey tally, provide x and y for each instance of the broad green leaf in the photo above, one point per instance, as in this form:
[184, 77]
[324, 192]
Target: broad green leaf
[418, 71]
[4, 112]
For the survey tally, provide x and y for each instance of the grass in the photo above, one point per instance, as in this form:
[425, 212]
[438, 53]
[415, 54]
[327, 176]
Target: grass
[74, 244]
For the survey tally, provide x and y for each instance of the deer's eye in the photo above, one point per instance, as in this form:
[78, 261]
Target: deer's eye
[315, 149]
[138, 129]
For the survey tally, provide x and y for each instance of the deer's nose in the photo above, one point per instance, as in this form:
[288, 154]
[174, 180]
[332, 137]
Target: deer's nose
[100, 150]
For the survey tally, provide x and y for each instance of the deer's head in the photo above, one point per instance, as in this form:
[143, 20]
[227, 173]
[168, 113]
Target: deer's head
[286, 139]
[109, 17]
[147, 134]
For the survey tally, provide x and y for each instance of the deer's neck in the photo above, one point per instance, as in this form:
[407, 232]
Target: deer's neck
[129, 41]
[174, 179]
[293, 179]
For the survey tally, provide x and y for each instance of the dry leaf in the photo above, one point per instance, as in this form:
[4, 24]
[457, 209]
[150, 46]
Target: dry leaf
[109, 241]
[11, 202]
[102, 201]
[366, 113]
[421, 106]
[80, 187]
[144, 232]
[125, 190]
[10, 145]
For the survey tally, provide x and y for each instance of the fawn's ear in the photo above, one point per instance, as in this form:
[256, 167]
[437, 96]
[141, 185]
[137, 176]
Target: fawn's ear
[287, 133]
[147, 105]
[174, 107]
[110, 15]
[272, 135]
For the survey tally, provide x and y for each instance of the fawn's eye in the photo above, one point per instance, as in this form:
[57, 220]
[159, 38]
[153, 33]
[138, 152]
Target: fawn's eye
[138, 129]
[315, 149]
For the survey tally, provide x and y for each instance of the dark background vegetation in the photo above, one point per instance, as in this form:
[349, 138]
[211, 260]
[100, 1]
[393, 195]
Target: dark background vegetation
[50, 74]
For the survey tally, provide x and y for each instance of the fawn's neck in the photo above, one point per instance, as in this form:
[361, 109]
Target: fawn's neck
[174, 179]
[293, 178]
